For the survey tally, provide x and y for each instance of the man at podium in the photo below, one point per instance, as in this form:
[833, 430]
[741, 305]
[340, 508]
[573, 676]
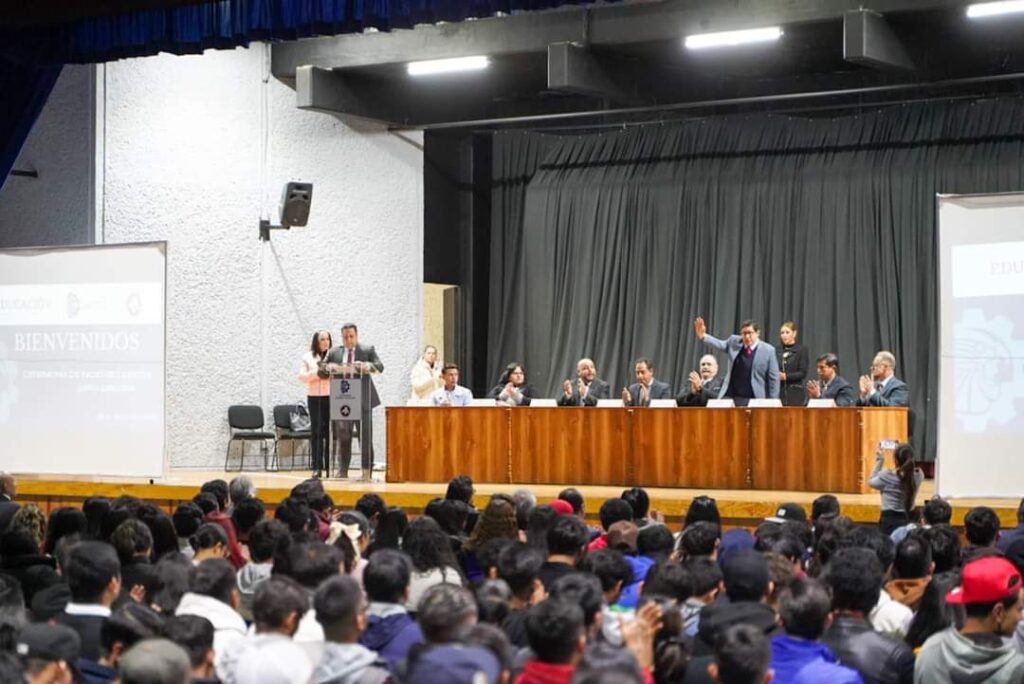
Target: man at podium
[357, 360]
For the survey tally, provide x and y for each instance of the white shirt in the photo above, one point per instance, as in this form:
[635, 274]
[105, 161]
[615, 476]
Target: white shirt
[460, 396]
[87, 609]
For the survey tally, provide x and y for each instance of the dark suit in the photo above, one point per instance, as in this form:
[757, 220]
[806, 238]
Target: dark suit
[895, 393]
[841, 391]
[525, 390]
[658, 390]
[345, 430]
[88, 628]
[764, 373]
[598, 389]
[708, 390]
[7, 510]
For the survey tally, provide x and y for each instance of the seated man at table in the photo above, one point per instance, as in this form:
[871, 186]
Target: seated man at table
[703, 385]
[588, 388]
[831, 385]
[882, 387]
[451, 393]
[646, 387]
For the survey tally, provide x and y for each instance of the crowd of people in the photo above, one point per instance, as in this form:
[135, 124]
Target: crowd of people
[502, 588]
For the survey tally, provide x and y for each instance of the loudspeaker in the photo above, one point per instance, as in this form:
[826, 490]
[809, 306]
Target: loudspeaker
[295, 203]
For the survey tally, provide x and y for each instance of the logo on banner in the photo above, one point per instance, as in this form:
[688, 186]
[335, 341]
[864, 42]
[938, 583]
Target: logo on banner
[346, 410]
[345, 386]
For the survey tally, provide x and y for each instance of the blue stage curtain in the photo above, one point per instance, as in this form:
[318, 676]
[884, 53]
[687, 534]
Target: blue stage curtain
[24, 89]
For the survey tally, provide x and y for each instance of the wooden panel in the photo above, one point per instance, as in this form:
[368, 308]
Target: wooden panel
[571, 445]
[805, 449]
[428, 444]
[878, 424]
[690, 447]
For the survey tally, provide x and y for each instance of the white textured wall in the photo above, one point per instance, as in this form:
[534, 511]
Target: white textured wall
[55, 208]
[196, 148]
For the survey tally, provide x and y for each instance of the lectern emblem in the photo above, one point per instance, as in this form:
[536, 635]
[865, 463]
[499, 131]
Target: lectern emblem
[346, 410]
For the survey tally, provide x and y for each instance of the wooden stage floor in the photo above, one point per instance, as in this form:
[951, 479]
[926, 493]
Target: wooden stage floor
[739, 507]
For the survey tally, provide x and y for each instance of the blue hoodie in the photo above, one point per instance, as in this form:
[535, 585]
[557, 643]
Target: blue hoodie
[799, 661]
[631, 592]
[391, 632]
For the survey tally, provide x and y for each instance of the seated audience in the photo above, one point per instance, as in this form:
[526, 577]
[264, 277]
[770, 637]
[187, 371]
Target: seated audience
[981, 527]
[747, 587]
[557, 639]
[706, 576]
[582, 589]
[933, 613]
[912, 570]
[93, 574]
[195, 635]
[699, 540]
[566, 542]
[154, 661]
[945, 544]
[390, 630]
[264, 539]
[497, 521]
[1006, 537]
[48, 653]
[245, 514]
[742, 656]
[519, 565]
[213, 594]
[341, 612]
[433, 561]
[612, 511]
[126, 627]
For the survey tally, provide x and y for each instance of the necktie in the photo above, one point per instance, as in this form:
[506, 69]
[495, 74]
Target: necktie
[644, 394]
[878, 387]
[349, 357]
[748, 351]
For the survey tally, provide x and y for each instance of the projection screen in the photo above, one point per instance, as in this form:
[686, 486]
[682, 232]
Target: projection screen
[82, 360]
[981, 383]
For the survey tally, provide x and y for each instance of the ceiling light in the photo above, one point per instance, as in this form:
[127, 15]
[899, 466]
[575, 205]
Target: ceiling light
[699, 41]
[446, 66]
[991, 9]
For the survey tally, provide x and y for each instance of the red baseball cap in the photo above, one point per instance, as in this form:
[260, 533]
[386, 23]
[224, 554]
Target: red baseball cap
[562, 507]
[986, 580]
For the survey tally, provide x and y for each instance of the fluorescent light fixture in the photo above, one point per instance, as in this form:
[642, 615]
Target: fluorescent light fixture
[447, 66]
[699, 41]
[991, 9]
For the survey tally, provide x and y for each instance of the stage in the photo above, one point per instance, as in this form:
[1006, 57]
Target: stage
[739, 507]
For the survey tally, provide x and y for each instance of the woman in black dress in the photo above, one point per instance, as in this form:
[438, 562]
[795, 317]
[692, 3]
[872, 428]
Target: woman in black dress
[793, 366]
[512, 388]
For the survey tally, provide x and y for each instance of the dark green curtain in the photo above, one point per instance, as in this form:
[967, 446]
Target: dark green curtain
[619, 239]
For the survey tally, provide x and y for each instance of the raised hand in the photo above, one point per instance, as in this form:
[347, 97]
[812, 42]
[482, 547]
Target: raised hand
[813, 389]
[567, 389]
[700, 328]
[866, 385]
[627, 398]
[695, 382]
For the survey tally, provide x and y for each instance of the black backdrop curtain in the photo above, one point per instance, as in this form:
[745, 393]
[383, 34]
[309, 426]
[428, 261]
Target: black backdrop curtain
[609, 244]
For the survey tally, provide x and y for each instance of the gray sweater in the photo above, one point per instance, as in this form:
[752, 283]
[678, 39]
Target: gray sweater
[888, 482]
[948, 657]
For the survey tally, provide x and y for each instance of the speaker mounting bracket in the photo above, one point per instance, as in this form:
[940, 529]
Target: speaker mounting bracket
[266, 227]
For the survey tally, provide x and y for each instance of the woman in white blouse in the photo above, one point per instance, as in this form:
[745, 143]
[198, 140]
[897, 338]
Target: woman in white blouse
[318, 389]
[425, 377]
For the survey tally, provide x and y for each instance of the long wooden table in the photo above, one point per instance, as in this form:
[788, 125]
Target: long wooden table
[827, 450]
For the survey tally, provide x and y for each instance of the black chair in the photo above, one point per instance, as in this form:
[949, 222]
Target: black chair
[283, 427]
[246, 425]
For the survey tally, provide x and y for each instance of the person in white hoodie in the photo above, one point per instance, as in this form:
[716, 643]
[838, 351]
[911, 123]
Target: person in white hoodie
[341, 611]
[213, 594]
[270, 656]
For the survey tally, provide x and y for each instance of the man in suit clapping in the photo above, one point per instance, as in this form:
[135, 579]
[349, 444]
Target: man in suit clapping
[588, 388]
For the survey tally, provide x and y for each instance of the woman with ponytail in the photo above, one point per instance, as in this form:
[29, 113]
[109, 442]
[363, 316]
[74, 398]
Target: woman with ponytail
[898, 486]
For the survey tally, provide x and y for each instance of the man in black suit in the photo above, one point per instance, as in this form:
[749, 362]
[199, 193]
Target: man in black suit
[93, 573]
[588, 389]
[831, 385]
[703, 385]
[882, 387]
[646, 387]
[357, 360]
[8, 490]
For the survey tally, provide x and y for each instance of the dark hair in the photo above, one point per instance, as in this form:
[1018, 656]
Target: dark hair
[669, 578]
[208, 536]
[131, 623]
[799, 529]
[538, 524]
[790, 547]
[750, 324]
[309, 490]
[214, 577]
[832, 361]
[983, 610]
[743, 654]
[447, 367]
[497, 520]
[95, 509]
[349, 326]
[573, 497]
[219, 488]
[246, 514]
[855, 576]
[699, 539]
[553, 628]
[207, 502]
[804, 606]
[655, 541]
[745, 575]
[488, 553]
[387, 576]
[933, 614]
[192, 633]
[702, 508]
[314, 346]
[614, 510]
[646, 361]
[90, 567]
[873, 539]
[493, 640]
[981, 526]
[460, 488]
[937, 511]
[638, 499]
[371, 504]
[492, 601]
[187, 518]
[510, 368]
[706, 575]
[671, 647]
[519, 565]
[310, 563]
[825, 504]
[392, 525]
[264, 539]
[170, 584]
[62, 522]
[904, 459]
[945, 543]
[582, 589]
[294, 511]
[444, 611]
[913, 557]
[1020, 511]
[567, 536]
[161, 529]
[610, 567]
[275, 599]
[428, 546]
[336, 603]
[603, 663]
[130, 539]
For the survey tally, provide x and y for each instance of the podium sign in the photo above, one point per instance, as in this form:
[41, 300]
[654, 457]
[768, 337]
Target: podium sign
[346, 398]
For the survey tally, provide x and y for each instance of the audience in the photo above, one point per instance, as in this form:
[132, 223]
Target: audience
[341, 612]
[213, 594]
[747, 587]
[433, 561]
[93, 574]
[981, 527]
[1008, 536]
[390, 630]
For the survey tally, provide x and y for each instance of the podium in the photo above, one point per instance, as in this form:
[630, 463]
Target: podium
[351, 415]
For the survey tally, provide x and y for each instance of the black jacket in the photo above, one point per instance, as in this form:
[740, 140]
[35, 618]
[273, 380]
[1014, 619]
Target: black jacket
[716, 617]
[878, 659]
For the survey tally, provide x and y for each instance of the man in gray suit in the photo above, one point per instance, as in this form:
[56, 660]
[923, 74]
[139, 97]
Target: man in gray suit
[882, 387]
[753, 369]
[588, 388]
[706, 384]
[358, 360]
[831, 385]
[646, 387]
